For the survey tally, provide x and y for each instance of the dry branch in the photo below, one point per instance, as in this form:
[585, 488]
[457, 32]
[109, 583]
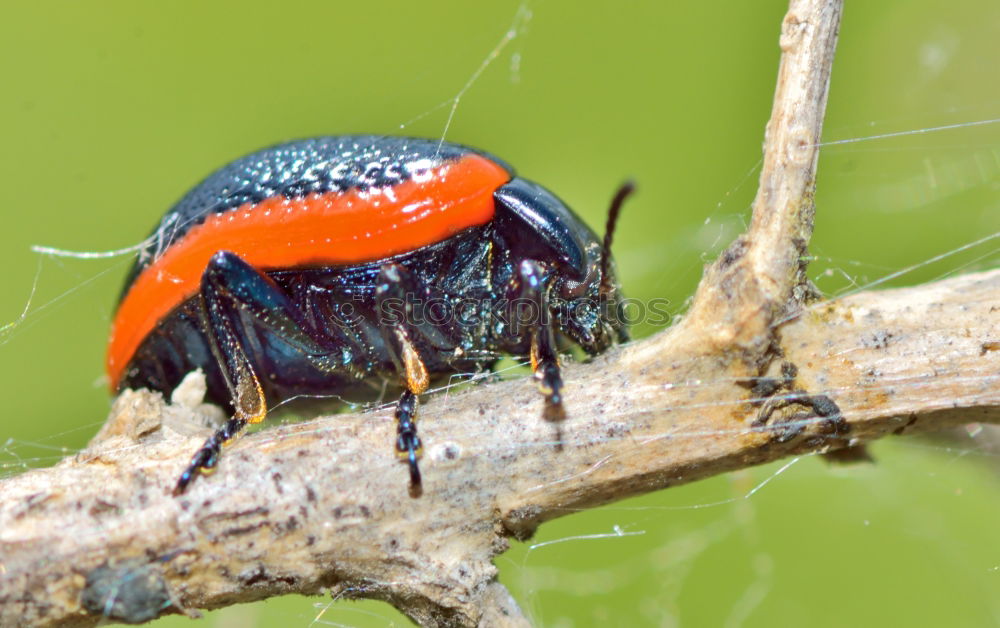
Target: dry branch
[323, 506]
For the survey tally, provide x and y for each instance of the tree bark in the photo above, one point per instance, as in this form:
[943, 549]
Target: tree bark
[757, 370]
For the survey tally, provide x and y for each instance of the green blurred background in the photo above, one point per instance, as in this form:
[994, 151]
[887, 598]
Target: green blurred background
[111, 110]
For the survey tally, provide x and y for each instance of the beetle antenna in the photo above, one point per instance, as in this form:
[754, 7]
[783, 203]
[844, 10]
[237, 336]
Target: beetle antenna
[624, 191]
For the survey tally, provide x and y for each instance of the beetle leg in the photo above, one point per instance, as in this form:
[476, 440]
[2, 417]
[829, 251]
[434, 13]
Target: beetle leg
[408, 445]
[230, 289]
[393, 288]
[544, 357]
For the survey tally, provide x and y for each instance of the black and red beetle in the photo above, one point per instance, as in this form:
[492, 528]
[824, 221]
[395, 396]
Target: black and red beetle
[334, 265]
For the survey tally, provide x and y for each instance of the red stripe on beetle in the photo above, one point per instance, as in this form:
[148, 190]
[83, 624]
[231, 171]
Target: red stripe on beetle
[321, 229]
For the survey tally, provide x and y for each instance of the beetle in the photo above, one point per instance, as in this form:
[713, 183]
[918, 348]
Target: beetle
[335, 265]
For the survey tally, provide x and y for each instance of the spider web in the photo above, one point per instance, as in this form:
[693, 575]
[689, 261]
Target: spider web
[909, 192]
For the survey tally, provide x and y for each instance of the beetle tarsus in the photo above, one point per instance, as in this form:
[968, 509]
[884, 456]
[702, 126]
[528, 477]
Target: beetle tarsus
[550, 381]
[182, 483]
[415, 479]
[205, 459]
[407, 442]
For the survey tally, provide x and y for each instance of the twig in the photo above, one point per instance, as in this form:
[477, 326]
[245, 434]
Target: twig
[323, 506]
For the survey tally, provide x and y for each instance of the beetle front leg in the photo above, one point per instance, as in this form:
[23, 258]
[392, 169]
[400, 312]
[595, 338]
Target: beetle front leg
[230, 289]
[544, 357]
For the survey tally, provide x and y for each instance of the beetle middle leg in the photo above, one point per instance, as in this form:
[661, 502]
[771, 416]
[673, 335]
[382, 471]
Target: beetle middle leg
[395, 289]
[232, 290]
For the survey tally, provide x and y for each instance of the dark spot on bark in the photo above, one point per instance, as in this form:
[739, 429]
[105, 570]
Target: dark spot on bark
[522, 522]
[102, 507]
[244, 529]
[393, 544]
[617, 430]
[34, 500]
[450, 452]
[365, 512]
[290, 524]
[310, 540]
[878, 340]
[791, 426]
[899, 430]
[277, 483]
[824, 406]
[253, 512]
[732, 254]
[338, 512]
[259, 574]
[849, 455]
[989, 345]
[130, 592]
[310, 494]
[765, 387]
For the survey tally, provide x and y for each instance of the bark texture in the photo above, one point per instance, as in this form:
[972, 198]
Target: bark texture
[759, 369]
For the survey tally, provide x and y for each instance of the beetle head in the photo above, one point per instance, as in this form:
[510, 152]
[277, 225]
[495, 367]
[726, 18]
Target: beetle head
[584, 295]
[595, 318]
